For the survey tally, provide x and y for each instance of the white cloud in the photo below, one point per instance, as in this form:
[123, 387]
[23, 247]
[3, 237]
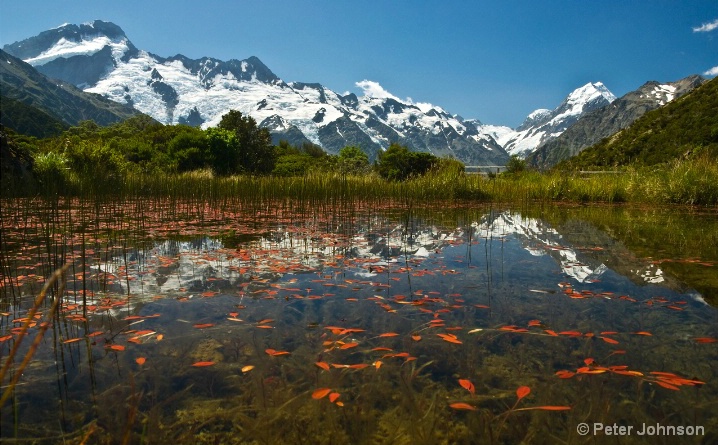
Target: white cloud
[373, 89]
[424, 106]
[712, 72]
[707, 27]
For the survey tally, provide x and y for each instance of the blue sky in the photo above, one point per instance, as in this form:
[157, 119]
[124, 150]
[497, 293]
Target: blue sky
[491, 60]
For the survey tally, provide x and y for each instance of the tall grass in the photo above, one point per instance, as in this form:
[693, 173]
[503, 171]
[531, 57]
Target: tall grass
[688, 182]
[692, 182]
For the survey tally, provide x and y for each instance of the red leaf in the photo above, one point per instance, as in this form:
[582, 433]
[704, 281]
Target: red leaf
[522, 392]
[321, 393]
[462, 406]
[467, 385]
[323, 365]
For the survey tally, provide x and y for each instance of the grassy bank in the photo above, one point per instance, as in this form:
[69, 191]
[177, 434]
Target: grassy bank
[691, 182]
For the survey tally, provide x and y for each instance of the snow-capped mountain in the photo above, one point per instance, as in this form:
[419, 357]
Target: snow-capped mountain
[99, 58]
[60, 101]
[81, 55]
[544, 125]
[608, 120]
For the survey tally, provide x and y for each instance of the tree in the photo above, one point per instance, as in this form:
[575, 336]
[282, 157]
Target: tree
[352, 160]
[293, 165]
[256, 152]
[397, 163]
[314, 150]
[393, 163]
[189, 150]
[515, 164]
[224, 151]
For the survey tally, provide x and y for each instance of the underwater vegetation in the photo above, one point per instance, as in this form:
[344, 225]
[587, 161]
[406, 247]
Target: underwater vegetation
[187, 320]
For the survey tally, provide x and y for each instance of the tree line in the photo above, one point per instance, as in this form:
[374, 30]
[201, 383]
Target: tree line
[237, 145]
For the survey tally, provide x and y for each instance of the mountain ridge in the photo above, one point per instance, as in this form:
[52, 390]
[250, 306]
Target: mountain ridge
[684, 128]
[99, 58]
[22, 83]
[611, 119]
[178, 89]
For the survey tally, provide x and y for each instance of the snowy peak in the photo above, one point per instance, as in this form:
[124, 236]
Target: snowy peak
[79, 54]
[581, 100]
[536, 117]
[590, 91]
[72, 40]
[543, 125]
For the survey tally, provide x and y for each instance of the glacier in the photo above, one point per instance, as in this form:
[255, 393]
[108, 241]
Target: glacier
[173, 90]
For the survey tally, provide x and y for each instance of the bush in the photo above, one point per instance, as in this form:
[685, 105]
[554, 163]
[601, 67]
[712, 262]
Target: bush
[51, 170]
[353, 160]
[397, 163]
[515, 164]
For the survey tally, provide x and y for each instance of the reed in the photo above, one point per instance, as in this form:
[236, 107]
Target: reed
[693, 181]
[58, 275]
[399, 403]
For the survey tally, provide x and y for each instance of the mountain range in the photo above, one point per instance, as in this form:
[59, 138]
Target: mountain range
[98, 58]
[543, 125]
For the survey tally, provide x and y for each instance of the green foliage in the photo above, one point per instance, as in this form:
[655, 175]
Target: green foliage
[84, 129]
[353, 160]
[138, 124]
[224, 151]
[397, 163]
[297, 164]
[255, 144]
[189, 150]
[52, 170]
[16, 161]
[28, 120]
[143, 155]
[94, 159]
[450, 167]
[515, 164]
[299, 161]
[314, 150]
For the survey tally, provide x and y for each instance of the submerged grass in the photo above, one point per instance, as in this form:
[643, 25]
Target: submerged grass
[169, 401]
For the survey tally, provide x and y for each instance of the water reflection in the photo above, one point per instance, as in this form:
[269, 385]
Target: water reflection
[171, 265]
[227, 332]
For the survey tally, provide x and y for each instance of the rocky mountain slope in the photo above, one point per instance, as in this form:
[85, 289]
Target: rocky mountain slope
[609, 119]
[62, 101]
[685, 127]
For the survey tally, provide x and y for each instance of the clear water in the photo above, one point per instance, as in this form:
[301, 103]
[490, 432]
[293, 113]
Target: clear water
[187, 322]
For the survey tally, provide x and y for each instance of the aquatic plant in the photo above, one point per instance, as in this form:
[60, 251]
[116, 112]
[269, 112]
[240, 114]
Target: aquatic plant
[215, 318]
